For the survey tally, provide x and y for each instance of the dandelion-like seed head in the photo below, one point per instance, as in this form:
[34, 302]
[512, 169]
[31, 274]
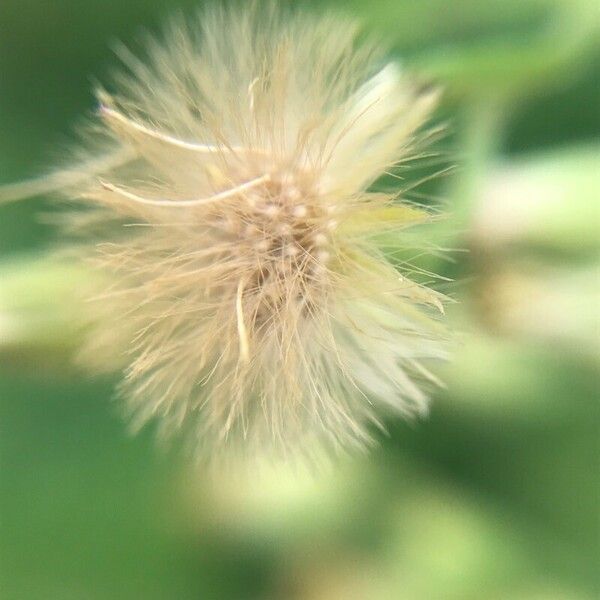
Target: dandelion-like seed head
[234, 220]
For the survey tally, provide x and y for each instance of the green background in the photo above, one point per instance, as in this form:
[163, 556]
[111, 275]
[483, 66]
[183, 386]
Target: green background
[495, 496]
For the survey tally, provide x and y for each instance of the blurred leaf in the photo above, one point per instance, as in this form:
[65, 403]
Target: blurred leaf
[40, 311]
[549, 201]
[488, 48]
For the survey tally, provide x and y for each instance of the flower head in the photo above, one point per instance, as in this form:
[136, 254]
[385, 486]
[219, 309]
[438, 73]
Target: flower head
[234, 222]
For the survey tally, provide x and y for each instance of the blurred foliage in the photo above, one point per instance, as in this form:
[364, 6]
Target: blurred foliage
[494, 497]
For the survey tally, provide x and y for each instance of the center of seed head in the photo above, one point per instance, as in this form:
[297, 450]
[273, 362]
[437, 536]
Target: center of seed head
[284, 230]
[287, 226]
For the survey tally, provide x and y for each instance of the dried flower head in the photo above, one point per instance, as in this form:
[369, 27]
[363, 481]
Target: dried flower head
[234, 222]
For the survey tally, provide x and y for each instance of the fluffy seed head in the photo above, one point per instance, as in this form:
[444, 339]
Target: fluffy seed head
[244, 286]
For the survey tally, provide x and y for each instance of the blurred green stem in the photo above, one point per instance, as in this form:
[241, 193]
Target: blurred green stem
[482, 135]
